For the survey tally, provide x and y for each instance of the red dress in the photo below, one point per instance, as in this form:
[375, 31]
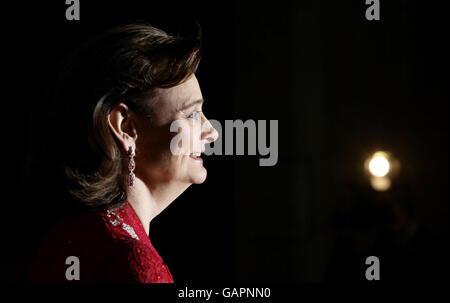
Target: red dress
[111, 246]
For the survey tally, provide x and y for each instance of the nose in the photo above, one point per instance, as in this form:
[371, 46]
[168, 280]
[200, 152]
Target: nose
[209, 133]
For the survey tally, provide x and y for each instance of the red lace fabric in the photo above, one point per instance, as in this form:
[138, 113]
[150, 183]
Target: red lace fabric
[112, 246]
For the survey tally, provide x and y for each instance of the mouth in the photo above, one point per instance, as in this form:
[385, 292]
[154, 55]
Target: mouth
[196, 156]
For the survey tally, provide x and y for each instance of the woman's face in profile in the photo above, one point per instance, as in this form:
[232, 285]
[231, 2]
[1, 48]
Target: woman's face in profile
[155, 161]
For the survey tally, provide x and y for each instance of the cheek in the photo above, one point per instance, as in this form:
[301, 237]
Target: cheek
[159, 157]
[153, 147]
[158, 161]
[187, 139]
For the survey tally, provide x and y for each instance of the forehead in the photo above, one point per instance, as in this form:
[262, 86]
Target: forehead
[172, 99]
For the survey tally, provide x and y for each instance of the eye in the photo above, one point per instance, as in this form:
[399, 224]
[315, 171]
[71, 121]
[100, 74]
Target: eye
[195, 115]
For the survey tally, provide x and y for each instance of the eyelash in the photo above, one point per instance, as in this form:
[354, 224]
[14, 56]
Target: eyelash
[191, 115]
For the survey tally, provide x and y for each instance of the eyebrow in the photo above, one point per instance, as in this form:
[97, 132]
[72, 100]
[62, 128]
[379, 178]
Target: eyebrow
[190, 104]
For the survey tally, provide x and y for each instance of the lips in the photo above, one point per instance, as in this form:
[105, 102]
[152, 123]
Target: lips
[196, 156]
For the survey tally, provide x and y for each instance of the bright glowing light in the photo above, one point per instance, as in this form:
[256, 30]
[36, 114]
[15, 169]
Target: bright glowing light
[379, 164]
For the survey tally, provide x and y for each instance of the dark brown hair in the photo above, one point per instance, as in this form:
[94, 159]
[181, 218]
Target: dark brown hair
[124, 64]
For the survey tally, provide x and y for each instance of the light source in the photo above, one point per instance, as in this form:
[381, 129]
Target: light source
[381, 166]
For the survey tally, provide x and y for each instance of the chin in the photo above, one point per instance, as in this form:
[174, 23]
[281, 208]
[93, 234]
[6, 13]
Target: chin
[198, 177]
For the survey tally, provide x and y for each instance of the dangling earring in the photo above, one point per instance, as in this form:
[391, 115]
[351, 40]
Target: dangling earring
[131, 167]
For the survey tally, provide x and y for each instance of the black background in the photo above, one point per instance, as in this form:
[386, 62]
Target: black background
[341, 88]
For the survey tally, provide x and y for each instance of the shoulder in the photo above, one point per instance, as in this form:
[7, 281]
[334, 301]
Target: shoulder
[108, 251]
[133, 258]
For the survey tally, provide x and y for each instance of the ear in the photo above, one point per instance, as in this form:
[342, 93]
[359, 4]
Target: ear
[122, 124]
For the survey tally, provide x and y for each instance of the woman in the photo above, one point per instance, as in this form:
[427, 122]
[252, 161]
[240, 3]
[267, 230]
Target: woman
[114, 104]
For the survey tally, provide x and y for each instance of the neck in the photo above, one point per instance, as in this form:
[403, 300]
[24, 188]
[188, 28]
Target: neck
[148, 202]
